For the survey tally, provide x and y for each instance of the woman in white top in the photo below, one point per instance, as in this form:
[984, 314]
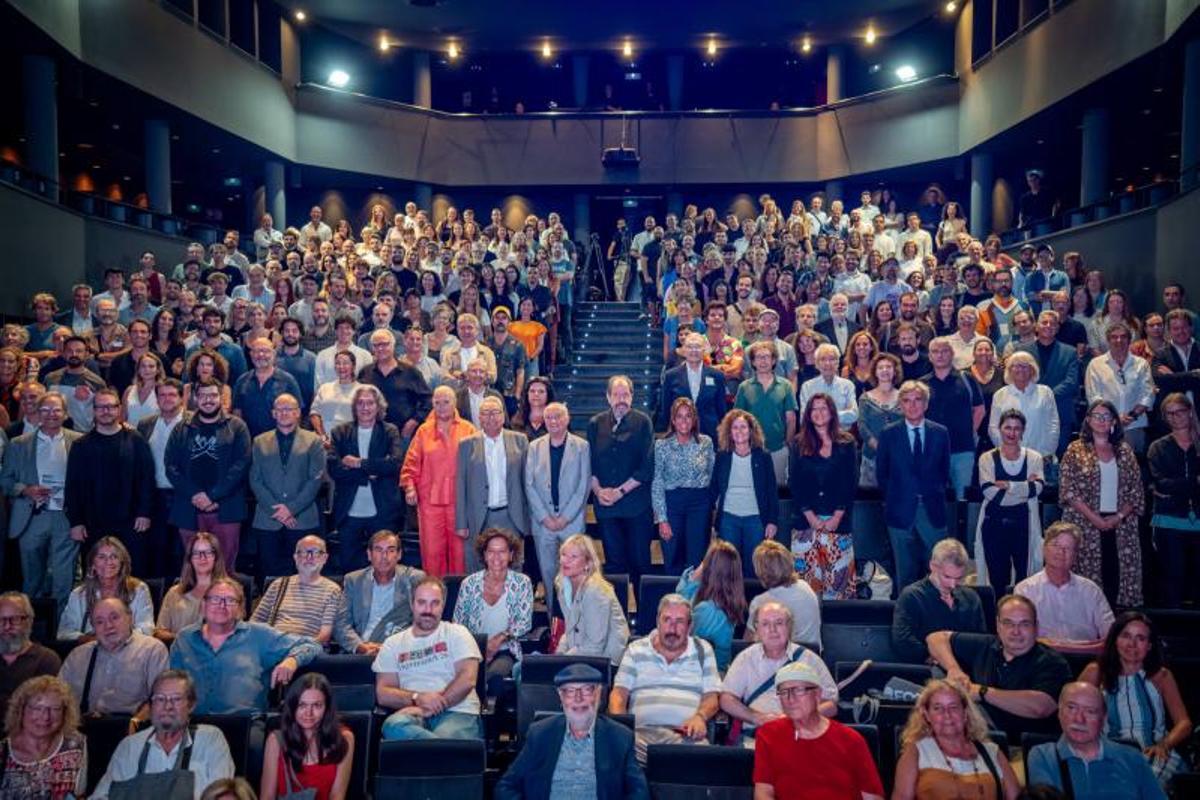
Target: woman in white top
[140, 399]
[1036, 402]
[951, 226]
[962, 342]
[1008, 538]
[107, 576]
[333, 403]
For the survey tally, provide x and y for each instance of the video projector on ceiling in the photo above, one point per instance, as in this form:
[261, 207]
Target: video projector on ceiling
[620, 157]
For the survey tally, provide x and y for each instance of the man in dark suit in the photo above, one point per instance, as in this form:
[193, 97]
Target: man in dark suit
[839, 327]
[490, 481]
[1059, 365]
[156, 430]
[621, 442]
[469, 396]
[913, 468]
[698, 382]
[1176, 368]
[611, 774]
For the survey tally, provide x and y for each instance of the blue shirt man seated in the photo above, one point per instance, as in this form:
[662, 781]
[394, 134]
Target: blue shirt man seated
[576, 754]
[1095, 768]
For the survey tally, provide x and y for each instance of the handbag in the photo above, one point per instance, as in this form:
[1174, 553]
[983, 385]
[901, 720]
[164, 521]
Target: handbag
[290, 779]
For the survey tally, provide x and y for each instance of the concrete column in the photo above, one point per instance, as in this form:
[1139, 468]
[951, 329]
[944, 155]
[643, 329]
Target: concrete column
[583, 216]
[833, 191]
[422, 80]
[39, 78]
[1094, 171]
[675, 81]
[982, 179]
[423, 197]
[1189, 155]
[274, 196]
[579, 74]
[158, 164]
[835, 74]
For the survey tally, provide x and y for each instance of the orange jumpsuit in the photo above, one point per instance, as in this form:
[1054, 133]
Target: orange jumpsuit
[430, 467]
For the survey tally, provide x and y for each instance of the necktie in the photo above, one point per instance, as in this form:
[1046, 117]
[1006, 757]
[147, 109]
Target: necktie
[918, 450]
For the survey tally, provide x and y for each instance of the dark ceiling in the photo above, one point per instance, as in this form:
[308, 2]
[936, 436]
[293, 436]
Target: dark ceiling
[592, 25]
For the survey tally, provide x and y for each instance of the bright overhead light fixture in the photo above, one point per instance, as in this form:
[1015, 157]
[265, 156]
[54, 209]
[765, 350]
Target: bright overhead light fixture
[339, 78]
[627, 49]
[452, 50]
[906, 72]
[547, 51]
[712, 47]
[384, 44]
[806, 45]
[300, 15]
[870, 36]
[951, 7]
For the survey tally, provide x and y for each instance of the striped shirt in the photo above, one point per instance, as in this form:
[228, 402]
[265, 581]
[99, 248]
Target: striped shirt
[305, 609]
[666, 694]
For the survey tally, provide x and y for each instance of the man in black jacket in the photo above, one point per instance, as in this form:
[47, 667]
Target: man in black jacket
[156, 430]
[622, 453]
[554, 761]
[110, 482]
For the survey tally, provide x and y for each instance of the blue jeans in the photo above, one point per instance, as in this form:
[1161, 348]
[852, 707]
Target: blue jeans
[687, 511]
[744, 533]
[911, 548]
[447, 725]
[961, 465]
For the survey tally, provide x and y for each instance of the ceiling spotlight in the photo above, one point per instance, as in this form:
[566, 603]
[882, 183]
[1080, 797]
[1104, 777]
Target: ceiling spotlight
[870, 34]
[384, 44]
[806, 45]
[712, 47]
[951, 7]
[627, 49]
[547, 51]
[906, 72]
[452, 50]
[339, 78]
[300, 15]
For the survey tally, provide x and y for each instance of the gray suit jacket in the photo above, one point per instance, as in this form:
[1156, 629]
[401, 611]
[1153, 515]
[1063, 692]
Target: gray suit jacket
[472, 490]
[20, 470]
[356, 607]
[574, 479]
[296, 486]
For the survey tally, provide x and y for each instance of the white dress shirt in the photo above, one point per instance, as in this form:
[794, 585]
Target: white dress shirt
[210, 759]
[158, 446]
[693, 379]
[52, 467]
[326, 372]
[1041, 416]
[1124, 385]
[496, 461]
[840, 389]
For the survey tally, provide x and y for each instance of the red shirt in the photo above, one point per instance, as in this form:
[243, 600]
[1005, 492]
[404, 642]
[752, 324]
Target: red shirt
[835, 766]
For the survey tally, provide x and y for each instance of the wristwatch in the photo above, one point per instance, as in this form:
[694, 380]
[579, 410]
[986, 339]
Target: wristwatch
[983, 690]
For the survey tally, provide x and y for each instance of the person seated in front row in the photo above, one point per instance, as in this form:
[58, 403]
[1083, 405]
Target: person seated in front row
[945, 750]
[1073, 613]
[114, 674]
[577, 753]
[183, 603]
[107, 574]
[594, 624]
[497, 601]
[806, 754]
[234, 662]
[938, 602]
[311, 749]
[775, 568]
[748, 690]
[668, 681]
[43, 754]
[170, 734]
[1013, 677]
[304, 604]
[427, 674]
[376, 600]
[1090, 765]
[21, 657]
[718, 598]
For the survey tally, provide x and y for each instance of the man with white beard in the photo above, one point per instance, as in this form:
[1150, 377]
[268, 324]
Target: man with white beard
[21, 658]
[576, 753]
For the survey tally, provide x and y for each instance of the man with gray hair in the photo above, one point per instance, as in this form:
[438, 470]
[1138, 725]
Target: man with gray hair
[1073, 613]
[940, 601]
[668, 681]
[490, 480]
[114, 673]
[22, 657]
[748, 691]
[306, 603]
[171, 743]
[621, 442]
[1124, 380]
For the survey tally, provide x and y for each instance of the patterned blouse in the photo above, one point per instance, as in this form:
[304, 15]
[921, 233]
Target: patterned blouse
[63, 773]
[518, 596]
[679, 466]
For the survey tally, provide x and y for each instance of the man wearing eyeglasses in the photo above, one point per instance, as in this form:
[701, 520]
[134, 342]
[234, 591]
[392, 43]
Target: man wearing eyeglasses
[576, 753]
[20, 657]
[198, 754]
[1014, 677]
[34, 476]
[286, 472]
[114, 673]
[306, 603]
[1124, 380]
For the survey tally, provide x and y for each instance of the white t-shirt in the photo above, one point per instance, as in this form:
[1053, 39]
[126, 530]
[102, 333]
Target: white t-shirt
[427, 663]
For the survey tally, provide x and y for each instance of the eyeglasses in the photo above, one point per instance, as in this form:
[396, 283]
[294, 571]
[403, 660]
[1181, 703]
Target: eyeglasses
[49, 711]
[106, 557]
[168, 699]
[310, 552]
[794, 692]
[578, 692]
[203, 554]
[1024, 624]
[1177, 412]
[222, 601]
[106, 407]
[16, 619]
[1101, 416]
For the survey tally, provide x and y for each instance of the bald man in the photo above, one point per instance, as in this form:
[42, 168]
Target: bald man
[126, 664]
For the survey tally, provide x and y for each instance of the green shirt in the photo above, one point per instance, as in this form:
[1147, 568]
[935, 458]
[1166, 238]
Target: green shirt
[769, 406]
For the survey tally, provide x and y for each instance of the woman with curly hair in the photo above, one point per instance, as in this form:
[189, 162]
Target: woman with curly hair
[205, 363]
[861, 350]
[44, 756]
[744, 486]
[311, 749]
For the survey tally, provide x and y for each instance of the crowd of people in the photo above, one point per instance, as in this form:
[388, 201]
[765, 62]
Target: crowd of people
[275, 414]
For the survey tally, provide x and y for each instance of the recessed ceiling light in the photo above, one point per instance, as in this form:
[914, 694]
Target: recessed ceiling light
[547, 51]
[951, 7]
[339, 78]
[97, 166]
[627, 49]
[712, 47]
[806, 45]
[384, 44]
[84, 146]
[300, 15]
[116, 126]
[870, 35]
[906, 72]
[452, 50]
[216, 150]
